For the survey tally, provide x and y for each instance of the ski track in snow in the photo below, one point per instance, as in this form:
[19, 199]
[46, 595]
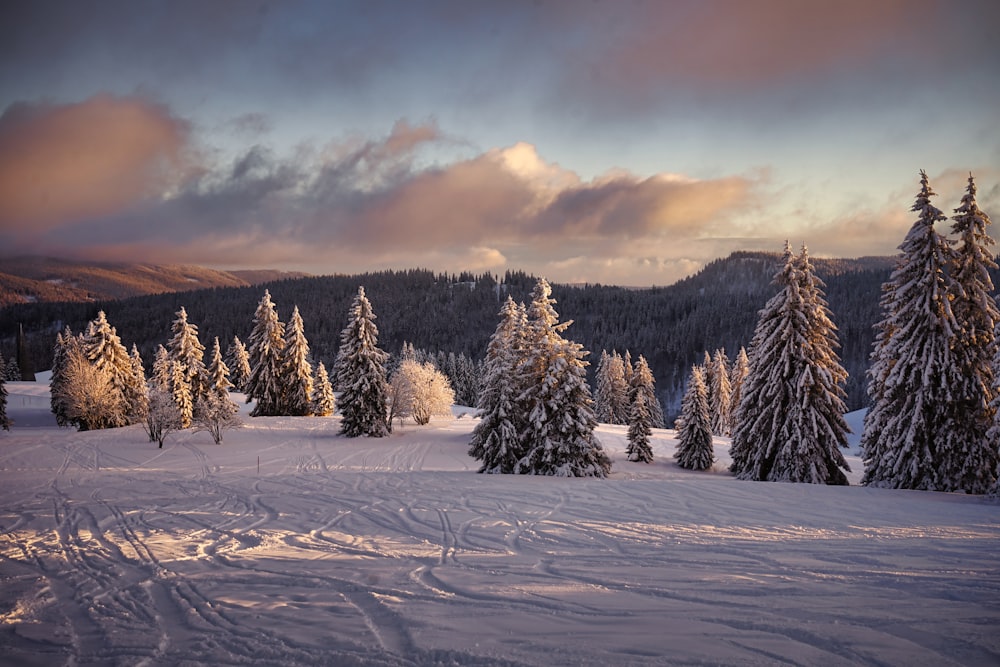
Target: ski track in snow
[394, 552]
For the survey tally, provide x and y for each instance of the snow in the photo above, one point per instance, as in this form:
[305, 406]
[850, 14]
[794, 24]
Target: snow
[393, 551]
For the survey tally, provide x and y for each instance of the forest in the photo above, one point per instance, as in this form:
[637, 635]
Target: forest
[671, 326]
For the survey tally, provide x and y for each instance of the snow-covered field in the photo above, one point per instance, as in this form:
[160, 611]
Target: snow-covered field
[394, 552]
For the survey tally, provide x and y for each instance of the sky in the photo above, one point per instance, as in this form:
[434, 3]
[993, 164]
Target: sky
[624, 142]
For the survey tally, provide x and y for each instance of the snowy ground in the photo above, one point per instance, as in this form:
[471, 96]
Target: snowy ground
[394, 552]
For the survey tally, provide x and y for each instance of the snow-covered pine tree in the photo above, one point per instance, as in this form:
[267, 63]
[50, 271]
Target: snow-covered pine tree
[737, 376]
[721, 392]
[496, 440]
[185, 349]
[103, 348]
[161, 377]
[971, 464]
[239, 364]
[136, 393]
[4, 420]
[267, 341]
[217, 372]
[790, 424]
[611, 399]
[559, 437]
[694, 447]
[641, 398]
[914, 371]
[361, 373]
[296, 371]
[57, 383]
[323, 400]
[602, 390]
[180, 391]
[12, 370]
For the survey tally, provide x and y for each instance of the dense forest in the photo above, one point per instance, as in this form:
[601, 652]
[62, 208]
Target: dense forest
[671, 326]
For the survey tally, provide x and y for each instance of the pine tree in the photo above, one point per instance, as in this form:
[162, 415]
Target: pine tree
[641, 398]
[180, 391]
[694, 447]
[611, 401]
[136, 394]
[217, 372]
[11, 370]
[496, 438]
[103, 348]
[185, 349]
[971, 464]
[323, 400]
[737, 376]
[267, 342]
[239, 364]
[559, 436]
[161, 378]
[4, 420]
[296, 371]
[57, 383]
[721, 392]
[914, 371]
[361, 374]
[790, 425]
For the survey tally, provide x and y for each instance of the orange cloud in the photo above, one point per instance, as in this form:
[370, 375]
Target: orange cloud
[65, 163]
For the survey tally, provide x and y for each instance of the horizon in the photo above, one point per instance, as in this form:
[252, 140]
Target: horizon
[586, 143]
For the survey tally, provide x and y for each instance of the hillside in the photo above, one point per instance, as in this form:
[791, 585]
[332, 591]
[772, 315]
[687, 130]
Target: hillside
[291, 545]
[671, 326]
[45, 279]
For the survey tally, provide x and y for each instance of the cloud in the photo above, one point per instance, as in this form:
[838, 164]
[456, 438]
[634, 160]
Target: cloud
[60, 164]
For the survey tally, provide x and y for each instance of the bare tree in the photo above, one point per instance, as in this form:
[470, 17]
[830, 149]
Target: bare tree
[419, 391]
[162, 415]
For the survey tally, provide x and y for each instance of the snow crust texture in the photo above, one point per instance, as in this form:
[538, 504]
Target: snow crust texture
[393, 551]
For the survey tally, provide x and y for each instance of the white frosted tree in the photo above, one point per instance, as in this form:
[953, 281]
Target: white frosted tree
[163, 417]
[103, 348]
[180, 391]
[58, 383]
[737, 376]
[611, 397]
[90, 397]
[641, 399]
[161, 369]
[216, 413]
[790, 426]
[136, 394]
[970, 464]
[239, 364]
[496, 442]
[361, 374]
[296, 371]
[324, 401]
[914, 375]
[419, 391]
[185, 349]
[267, 342]
[721, 392]
[559, 436]
[694, 447]
[217, 372]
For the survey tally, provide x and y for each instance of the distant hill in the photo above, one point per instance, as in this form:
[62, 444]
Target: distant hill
[46, 279]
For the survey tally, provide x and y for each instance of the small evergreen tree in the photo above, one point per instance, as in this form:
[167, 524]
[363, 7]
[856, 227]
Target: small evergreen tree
[641, 399]
[186, 350]
[4, 420]
[57, 383]
[914, 371]
[721, 392]
[323, 400]
[496, 438]
[239, 364]
[694, 447]
[180, 391]
[296, 371]
[611, 404]
[267, 342]
[136, 394]
[361, 374]
[161, 369]
[737, 376]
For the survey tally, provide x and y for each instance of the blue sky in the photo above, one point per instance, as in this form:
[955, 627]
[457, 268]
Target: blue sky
[614, 142]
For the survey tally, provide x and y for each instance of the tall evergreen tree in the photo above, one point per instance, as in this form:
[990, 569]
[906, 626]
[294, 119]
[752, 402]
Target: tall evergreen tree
[239, 364]
[559, 436]
[361, 374]
[641, 398]
[721, 392]
[611, 398]
[161, 377]
[323, 399]
[57, 383]
[914, 372]
[4, 420]
[694, 447]
[187, 350]
[737, 376]
[180, 391]
[103, 348]
[217, 371]
[267, 342]
[496, 440]
[971, 464]
[296, 371]
[790, 426]
[136, 394]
